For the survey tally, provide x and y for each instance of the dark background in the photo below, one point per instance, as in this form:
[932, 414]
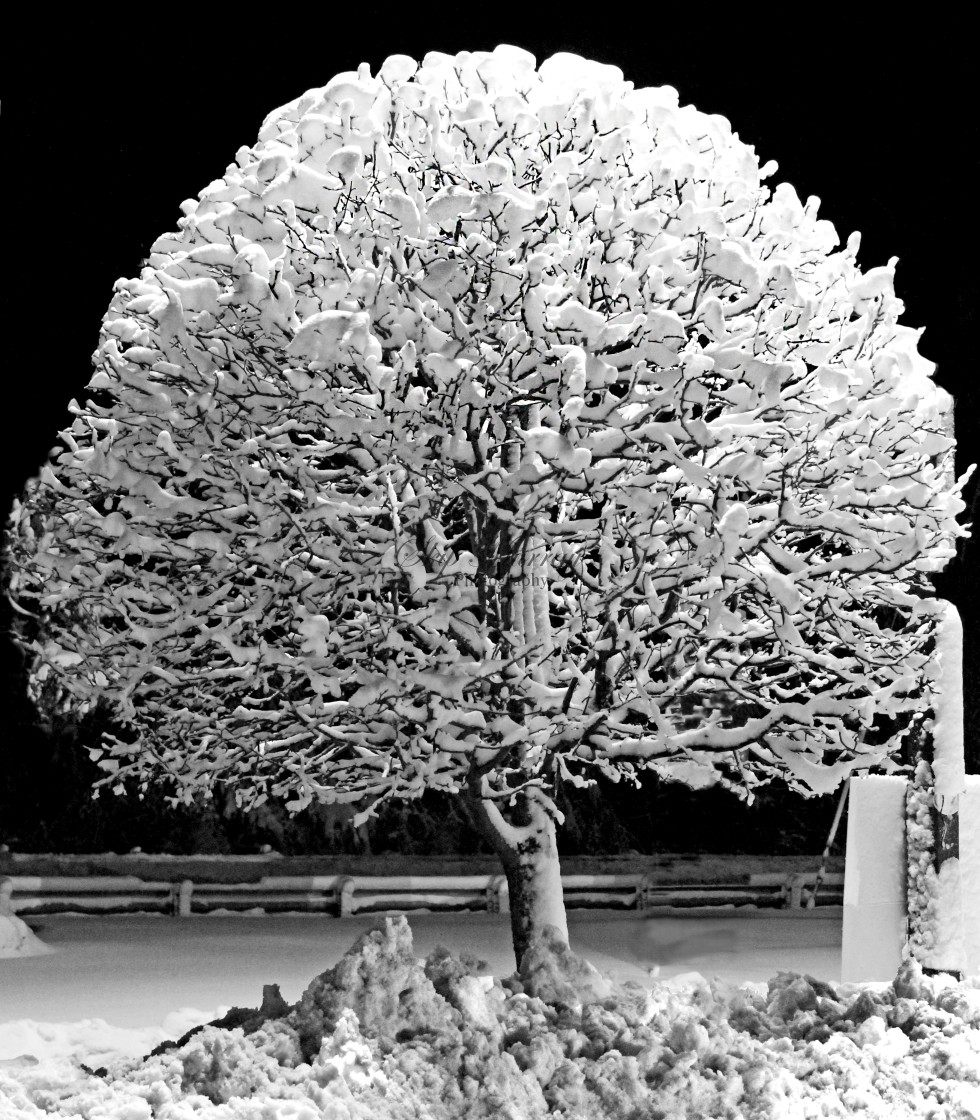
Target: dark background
[106, 137]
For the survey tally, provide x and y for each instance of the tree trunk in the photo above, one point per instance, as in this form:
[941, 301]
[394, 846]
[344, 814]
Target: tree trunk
[529, 856]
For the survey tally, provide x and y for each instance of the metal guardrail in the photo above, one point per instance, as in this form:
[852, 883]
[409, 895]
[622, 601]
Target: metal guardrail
[794, 887]
[342, 895]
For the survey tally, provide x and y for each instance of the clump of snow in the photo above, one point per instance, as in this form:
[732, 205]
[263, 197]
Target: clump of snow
[17, 939]
[386, 1036]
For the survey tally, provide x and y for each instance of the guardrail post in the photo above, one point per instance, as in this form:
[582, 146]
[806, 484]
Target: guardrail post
[184, 892]
[6, 893]
[795, 885]
[344, 894]
[643, 892]
[498, 895]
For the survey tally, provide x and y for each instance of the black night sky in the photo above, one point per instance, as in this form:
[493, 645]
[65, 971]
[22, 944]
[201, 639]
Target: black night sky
[881, 125]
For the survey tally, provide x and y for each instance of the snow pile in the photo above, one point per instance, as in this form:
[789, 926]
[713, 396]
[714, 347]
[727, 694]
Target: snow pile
[17, 939]
[385, 1036]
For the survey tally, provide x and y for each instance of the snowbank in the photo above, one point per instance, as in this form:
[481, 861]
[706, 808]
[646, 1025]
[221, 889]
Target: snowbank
[386, 1036]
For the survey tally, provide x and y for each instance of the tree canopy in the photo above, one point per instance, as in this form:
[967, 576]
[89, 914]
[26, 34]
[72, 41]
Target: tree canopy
[495, 425]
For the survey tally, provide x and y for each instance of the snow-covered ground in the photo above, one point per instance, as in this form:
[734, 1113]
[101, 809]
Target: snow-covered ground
[133, 970]
[470, 1039]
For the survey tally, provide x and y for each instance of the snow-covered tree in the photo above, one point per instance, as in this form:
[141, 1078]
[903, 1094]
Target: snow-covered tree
[483, 428]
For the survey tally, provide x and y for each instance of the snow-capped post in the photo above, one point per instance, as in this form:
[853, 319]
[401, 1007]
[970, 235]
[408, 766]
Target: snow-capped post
[478, 427]
[935, 900]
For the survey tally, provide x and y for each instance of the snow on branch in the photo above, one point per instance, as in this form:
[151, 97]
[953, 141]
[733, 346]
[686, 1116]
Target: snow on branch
[485, 412]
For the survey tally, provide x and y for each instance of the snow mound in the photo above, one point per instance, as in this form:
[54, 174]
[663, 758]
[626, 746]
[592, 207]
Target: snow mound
[385, 1036]
[553, 973]
[17, 939]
